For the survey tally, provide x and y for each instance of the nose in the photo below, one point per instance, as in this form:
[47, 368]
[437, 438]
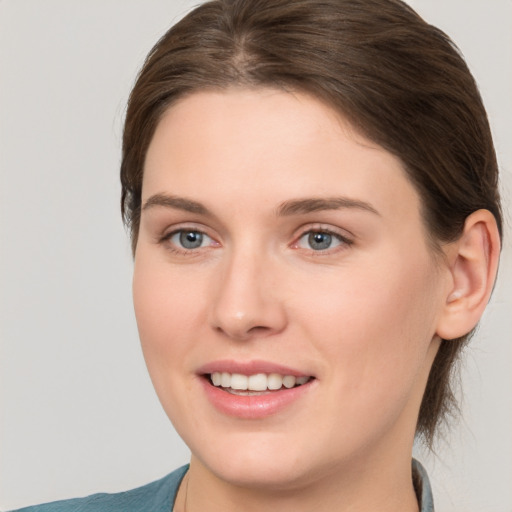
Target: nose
[247, 302]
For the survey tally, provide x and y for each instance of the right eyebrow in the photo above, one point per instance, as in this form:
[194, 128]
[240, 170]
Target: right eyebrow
[178, 203]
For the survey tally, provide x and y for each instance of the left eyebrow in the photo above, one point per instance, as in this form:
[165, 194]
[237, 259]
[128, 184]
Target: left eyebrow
[178, 203]
[309, 205]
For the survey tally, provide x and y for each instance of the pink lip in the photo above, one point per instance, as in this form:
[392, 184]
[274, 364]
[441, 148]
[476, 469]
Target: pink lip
[254, 406]
[249, 368]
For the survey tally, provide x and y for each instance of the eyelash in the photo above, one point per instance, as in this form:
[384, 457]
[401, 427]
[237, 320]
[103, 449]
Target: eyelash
[174, 248]
[344, 242]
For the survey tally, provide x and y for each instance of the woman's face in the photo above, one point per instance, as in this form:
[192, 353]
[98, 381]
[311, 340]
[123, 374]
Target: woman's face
[276, 246]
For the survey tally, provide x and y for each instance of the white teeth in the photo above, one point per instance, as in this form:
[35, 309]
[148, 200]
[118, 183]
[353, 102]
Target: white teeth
[239, 381]
[225, 380]
[274, 381]
[256, 382]
[289, 381]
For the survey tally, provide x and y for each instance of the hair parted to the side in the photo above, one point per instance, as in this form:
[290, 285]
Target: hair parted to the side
[400, 81]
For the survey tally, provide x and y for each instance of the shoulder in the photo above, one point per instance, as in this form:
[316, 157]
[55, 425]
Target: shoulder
[156, 496]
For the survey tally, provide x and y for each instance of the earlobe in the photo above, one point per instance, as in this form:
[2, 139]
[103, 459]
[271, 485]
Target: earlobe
[473, 264]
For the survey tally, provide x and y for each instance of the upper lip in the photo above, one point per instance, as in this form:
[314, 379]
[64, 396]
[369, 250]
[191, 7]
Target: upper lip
[249, 368]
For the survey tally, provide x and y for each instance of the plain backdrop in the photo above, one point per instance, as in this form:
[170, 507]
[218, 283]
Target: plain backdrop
[78, 412]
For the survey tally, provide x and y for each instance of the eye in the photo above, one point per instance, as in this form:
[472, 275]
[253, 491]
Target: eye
[189, 239]
[321, 240]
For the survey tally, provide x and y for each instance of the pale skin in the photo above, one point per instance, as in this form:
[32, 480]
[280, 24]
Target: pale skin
[362, 312]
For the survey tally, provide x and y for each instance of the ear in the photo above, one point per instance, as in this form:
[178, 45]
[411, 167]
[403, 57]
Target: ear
[473, 265]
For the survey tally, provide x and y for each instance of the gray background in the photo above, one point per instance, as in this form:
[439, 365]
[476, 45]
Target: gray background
[78, 413]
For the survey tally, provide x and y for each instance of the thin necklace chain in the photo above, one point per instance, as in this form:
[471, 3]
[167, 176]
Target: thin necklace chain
[186, 495]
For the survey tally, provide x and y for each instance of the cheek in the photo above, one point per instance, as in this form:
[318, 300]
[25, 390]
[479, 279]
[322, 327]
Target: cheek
[167, 308]
[377, 324]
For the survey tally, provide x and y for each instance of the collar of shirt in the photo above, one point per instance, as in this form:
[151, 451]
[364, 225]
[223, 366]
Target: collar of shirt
[422, 487]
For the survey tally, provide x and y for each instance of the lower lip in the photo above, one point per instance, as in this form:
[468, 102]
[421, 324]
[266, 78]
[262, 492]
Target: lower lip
[253, 406]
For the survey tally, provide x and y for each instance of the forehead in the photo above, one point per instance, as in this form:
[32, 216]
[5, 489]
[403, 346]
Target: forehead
[269, 145]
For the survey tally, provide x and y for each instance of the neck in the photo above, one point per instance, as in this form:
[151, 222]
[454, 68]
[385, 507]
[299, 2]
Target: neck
[359, 488]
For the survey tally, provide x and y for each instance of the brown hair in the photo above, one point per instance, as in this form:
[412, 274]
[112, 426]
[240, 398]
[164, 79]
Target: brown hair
[397, 79]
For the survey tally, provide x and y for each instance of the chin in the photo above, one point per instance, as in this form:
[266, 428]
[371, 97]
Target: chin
[264, 472]
[264, 460]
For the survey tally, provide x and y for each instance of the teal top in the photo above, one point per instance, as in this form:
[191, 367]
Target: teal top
[159, 496]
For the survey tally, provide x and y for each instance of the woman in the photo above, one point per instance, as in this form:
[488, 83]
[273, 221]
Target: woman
[311, 189]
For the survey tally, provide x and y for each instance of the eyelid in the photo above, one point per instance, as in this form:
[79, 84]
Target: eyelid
[343, 233]
[185, 226]
[346, 238]
[165, 238]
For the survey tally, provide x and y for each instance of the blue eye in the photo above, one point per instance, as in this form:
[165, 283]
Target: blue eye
[320, 240]
[189, 239]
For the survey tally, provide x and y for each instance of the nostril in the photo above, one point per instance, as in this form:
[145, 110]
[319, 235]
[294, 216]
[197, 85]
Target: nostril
[242, 333]
[258, 329]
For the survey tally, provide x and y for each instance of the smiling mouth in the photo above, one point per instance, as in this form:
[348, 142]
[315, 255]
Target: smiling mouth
[257, 384]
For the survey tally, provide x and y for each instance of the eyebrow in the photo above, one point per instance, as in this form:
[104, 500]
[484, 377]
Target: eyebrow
[309, 205]
[178, 203]
[287, 208]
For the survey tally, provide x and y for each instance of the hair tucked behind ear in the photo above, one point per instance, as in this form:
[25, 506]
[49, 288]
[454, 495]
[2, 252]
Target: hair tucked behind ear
[399, 80]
